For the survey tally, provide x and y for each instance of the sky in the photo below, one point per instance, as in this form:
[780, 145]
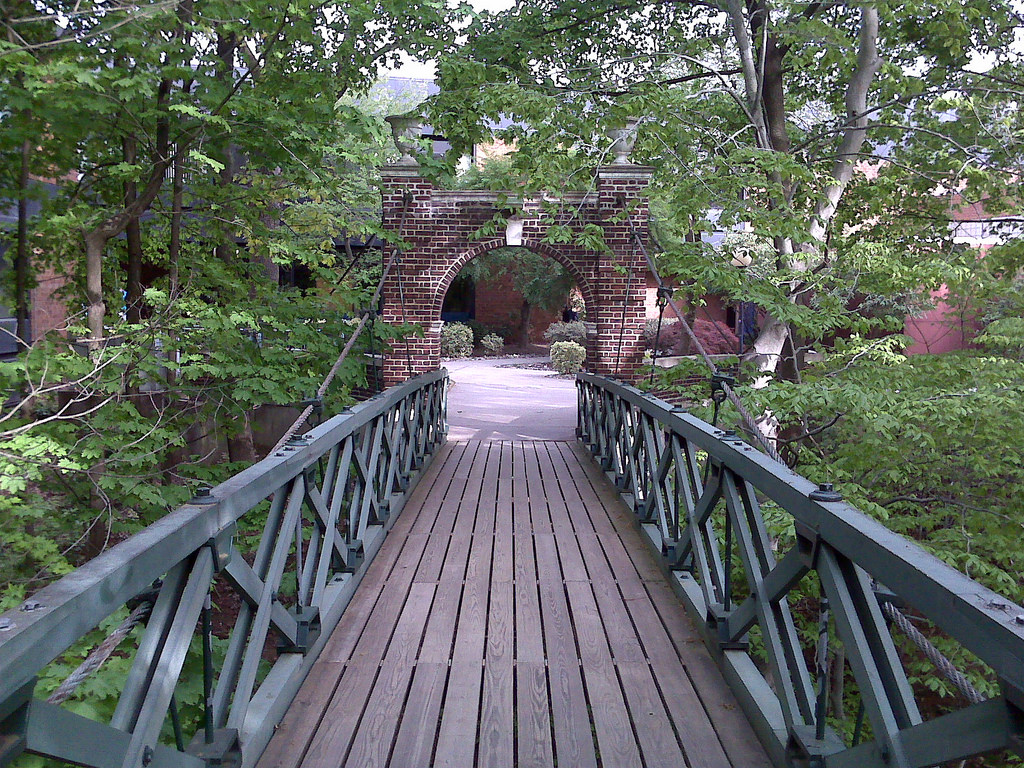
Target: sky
[428, 69]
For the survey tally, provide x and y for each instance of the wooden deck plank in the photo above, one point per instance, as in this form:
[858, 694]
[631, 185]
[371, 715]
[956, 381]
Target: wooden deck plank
[292, 737]
[726, 719]
[572, 560]
[612, 725]
[657, 739]
[593, 644]
[574, 744]
[609, 501]
[343, 715]
[622, 637]
[440, 630]
[529, 630]
[434, 552]
[533, 489]
[414, 744]
[488, 503]
[730, 724]
[448, 484]
[497, 704]
[381, 605]
[513, 623]
[371, 743]
[503, 511]
[533, 720]
[456, 738]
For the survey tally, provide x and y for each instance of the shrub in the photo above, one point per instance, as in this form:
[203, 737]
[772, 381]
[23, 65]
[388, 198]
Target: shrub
[716, 338]
[493, 343]
[575, 331]
[567, 356]
[456, 340]
[668, 337]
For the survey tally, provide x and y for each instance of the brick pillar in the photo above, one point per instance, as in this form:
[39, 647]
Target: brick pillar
[620, 283]
[407, 291]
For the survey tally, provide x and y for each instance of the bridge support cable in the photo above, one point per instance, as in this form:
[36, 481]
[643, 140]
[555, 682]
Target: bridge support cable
[393, 262]
[100, 654]
[722, 384]
[748, 419]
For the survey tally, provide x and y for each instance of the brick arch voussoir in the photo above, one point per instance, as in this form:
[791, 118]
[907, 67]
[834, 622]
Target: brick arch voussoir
[456, 266]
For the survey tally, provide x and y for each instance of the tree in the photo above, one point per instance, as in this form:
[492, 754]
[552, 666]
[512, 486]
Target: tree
[224, 140]
[825, 127]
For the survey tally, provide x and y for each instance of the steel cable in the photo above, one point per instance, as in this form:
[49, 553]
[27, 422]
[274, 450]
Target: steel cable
[944, 665]
[395, 258]
[100, 654]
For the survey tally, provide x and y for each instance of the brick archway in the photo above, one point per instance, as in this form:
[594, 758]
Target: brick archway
[441, 226]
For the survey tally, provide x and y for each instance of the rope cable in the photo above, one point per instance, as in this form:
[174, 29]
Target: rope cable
[944, 665]
[395, 257]
[934, 655]
[100, 654]
[748, 419]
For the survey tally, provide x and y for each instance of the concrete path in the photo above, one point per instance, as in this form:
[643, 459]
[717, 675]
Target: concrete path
[492, 399]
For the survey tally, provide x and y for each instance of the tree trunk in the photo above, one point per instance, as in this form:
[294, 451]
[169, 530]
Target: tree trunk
[22, 257]
[525, 311]
[95, 246]
[242, 446]
[174, 248]
[133, 232]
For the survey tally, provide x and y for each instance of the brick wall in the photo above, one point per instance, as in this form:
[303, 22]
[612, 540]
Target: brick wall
[499, 304]
[48, 310]
[440, 228]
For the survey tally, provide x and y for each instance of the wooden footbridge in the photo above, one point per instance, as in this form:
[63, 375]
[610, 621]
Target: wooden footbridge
[617, 601]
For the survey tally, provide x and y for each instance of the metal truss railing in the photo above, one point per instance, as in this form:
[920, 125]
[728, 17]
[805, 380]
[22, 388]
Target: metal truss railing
[333, 494]
[698, 494]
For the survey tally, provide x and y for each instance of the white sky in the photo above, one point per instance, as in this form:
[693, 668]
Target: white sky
[428, 69]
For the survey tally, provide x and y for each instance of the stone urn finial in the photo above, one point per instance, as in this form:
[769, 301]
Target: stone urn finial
[405, 130]
[623, 138]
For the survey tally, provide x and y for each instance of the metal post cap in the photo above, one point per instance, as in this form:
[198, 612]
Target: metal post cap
[204, 496]
[825, 492]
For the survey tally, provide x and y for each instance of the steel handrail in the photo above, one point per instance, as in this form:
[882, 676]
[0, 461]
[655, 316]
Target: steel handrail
[649, 448]
[335, 492]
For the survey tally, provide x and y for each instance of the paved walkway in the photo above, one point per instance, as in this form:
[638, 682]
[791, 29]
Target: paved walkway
[498, 399]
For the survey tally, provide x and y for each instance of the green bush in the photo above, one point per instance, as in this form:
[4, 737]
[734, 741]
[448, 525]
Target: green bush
[493, 343]
[567, 356]
[575, 331]
[456, 340]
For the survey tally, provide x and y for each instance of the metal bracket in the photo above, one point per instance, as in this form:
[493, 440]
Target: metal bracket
[804, 749]
[307, 620]
[808, 542]
[14, 722]
[225, 750]
[355, 554]
[719, 382]
[719, 619]
[220, 547]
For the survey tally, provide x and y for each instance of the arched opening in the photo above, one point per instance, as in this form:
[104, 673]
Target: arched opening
[511, 394]
[513, 292]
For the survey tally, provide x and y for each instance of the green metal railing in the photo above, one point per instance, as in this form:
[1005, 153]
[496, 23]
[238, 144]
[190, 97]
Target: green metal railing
[698, 492]
[333, 494]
